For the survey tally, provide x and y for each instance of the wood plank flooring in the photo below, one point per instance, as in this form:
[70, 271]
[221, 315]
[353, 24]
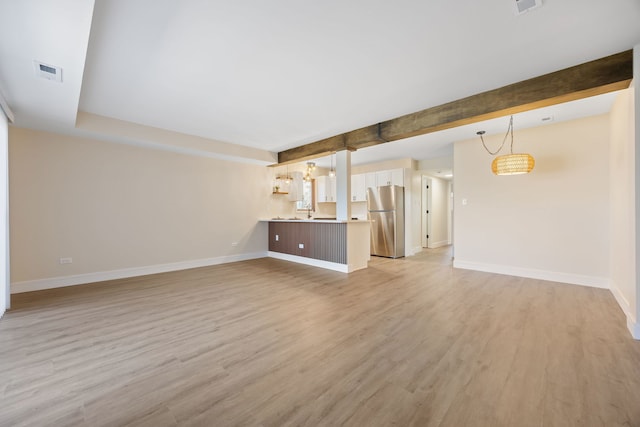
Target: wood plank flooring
[406, 342]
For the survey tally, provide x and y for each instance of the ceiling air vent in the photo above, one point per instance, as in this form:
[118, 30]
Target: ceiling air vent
[522, 6]
[49, 72]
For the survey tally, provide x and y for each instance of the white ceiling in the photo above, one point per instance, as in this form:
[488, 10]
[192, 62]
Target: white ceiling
[274, 75]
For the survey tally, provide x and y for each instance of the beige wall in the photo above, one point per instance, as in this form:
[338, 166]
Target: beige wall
[112, 207]
[552, 223]
[623, 272]
[443, 163]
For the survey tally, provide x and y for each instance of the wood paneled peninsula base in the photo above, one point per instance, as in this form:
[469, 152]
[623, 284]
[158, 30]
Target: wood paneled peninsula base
[335, 245]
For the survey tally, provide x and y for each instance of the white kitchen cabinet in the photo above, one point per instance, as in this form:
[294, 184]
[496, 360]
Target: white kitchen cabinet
[383, 178]
[397, 177]
[370, 180]
[390, 177]
[332, 188]
[358, 188]
[321, 189]
[326, 189]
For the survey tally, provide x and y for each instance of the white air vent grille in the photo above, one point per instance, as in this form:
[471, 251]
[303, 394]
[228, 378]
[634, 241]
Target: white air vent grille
[522, 6]
[49, 72]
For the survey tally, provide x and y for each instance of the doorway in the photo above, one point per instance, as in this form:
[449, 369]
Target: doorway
[436, 212]
[426, 210]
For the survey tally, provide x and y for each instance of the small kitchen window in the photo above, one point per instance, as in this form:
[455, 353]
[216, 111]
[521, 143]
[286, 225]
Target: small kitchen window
[308, 196]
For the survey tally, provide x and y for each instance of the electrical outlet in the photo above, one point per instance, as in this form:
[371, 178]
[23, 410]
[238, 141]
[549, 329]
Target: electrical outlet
[66, 260]
[277, 237]
[300, 245]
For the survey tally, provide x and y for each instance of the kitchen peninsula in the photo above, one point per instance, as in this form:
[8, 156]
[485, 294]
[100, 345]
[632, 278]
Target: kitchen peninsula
[336, 245]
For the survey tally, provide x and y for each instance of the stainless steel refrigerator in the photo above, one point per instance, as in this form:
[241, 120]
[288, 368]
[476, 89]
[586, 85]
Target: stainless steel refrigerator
[386, 213]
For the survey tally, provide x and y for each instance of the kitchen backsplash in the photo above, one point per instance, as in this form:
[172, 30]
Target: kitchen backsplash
[281, 207]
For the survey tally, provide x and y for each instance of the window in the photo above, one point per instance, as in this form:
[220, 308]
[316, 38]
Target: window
[308, 196]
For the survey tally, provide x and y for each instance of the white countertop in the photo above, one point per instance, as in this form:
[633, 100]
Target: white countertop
[332, 221]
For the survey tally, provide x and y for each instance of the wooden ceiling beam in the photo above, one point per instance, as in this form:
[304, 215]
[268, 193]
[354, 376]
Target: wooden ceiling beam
[592, 78]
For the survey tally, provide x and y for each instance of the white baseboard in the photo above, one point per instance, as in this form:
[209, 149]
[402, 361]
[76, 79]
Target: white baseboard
[101, 276]
[622, 301]
[553, 276]
[343, 268]
[434, 245]
[632, 323]
[634, 328]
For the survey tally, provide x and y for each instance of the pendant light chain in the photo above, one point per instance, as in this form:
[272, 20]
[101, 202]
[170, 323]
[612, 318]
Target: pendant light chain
[509, 131]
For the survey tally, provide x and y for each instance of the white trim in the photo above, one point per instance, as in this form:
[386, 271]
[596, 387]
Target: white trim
[552, 276]
[622, 301]
[632, 324]
[5, 107]
[342, 268]
[439, 244]
[634, 328]
[81, 279]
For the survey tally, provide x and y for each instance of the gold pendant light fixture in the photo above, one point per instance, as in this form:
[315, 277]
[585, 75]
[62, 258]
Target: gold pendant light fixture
[513, 164]
[311, 166]
[287, 179]
[509, 164]
[332, 172]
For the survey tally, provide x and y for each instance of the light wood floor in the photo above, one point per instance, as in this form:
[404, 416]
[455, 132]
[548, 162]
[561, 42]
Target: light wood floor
[266, 342]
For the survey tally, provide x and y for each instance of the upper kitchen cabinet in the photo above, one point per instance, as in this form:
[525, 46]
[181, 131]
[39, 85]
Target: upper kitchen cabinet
[326, 189]
[386, 177]
[390, 177]
[397, 177]
[370, 180]
[359, 188]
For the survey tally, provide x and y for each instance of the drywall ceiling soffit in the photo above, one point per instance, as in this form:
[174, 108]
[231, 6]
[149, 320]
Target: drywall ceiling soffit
[55, 33]
[114, 130]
